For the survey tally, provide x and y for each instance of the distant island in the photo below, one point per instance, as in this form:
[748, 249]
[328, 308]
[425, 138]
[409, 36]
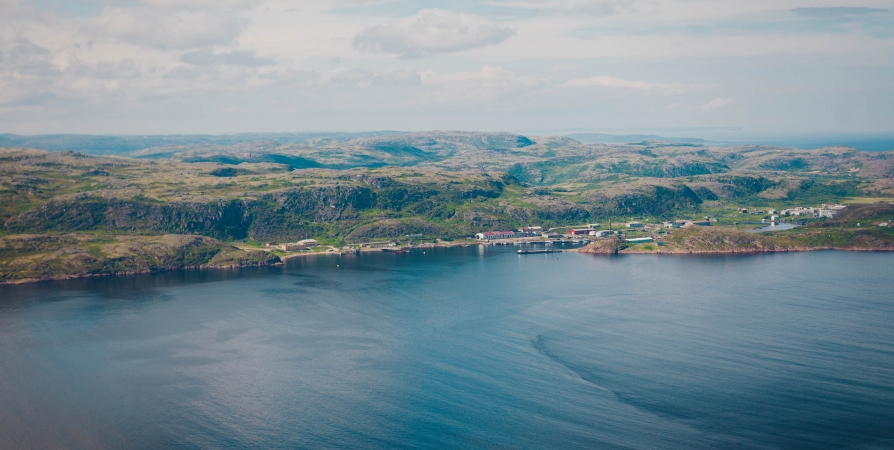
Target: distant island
[206, 202]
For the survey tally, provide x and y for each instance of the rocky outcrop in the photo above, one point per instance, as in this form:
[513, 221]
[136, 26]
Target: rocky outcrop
[608, 246]
[712, 240]
[393, 228]
[25, 258]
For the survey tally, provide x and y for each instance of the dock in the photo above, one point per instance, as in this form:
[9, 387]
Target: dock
[535, 252]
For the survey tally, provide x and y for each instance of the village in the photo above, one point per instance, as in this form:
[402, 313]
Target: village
[632, 232]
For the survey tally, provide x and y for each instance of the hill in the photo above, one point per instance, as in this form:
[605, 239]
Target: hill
[439, 184]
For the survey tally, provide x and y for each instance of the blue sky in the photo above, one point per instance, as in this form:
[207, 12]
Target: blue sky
[223, 66]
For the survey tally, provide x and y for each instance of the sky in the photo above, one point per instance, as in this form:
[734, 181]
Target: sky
[229, 66]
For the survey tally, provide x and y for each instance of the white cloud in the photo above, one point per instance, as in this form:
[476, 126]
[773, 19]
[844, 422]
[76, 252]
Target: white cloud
[200, 4]
[612, 82]
[429, 32]
[719, 102]
[148, 27]
[489, 82]
[206, 57]
[590, 7]
[398, 77]
[355, 76]
[328, 54]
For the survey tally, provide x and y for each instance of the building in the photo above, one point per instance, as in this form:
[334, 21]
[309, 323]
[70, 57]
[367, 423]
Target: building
[801, 211]
[492, 235]
[580, 231]
[634, 224]
[379, 244]
[529, 232]
[600, 233]
[309, 242]
[291, 246]
[639, 240]
[677, 224]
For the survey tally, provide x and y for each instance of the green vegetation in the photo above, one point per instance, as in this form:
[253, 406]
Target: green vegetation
[58, 256]
[854, 229]
[438, 185]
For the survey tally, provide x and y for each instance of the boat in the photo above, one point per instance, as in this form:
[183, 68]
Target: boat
[533, 252]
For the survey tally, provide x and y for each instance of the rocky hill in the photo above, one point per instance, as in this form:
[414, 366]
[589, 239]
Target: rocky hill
[36, 257]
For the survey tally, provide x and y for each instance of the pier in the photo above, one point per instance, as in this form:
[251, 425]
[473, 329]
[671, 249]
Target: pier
[534, 252]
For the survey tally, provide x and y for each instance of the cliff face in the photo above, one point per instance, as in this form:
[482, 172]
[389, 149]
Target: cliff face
[285, 214]
[280, 214]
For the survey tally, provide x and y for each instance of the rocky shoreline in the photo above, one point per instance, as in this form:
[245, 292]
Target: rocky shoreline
[45, 257]
[63, 277]
[718, 240]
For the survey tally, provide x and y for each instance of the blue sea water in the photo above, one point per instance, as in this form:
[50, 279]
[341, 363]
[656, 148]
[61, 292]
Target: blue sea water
[459, 348]
[865, 141]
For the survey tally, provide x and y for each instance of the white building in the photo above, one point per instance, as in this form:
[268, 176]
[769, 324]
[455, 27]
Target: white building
[492, 235]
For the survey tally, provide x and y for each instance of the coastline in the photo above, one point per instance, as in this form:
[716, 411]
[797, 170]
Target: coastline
[734, 252]
[126, 273]
[276, 260]
[376, 250]
[719, 241]
[31, 258]
[39, 258]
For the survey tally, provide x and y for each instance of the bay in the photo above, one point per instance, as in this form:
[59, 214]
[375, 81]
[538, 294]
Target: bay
[459, 348]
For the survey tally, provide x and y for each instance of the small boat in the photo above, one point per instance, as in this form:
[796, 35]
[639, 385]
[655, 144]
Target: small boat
[534, 252]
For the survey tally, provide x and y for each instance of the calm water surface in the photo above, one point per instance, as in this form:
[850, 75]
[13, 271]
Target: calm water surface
[459, 348]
